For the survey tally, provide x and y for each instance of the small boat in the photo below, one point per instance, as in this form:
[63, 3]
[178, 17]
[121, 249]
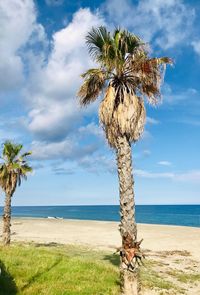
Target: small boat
[54, 217]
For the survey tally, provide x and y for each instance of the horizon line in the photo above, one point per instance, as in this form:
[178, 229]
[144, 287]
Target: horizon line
[57, 205]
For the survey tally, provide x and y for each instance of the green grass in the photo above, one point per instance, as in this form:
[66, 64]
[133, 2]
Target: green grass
[56, 271]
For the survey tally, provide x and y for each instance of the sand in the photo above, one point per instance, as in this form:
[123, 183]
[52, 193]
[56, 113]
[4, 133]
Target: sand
[105, 235]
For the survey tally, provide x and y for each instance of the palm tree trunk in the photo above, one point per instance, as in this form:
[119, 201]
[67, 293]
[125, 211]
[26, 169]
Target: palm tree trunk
[7, 219]
[129, 281]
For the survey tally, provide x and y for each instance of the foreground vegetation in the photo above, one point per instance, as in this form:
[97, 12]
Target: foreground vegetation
[55, 270]
[71, 270]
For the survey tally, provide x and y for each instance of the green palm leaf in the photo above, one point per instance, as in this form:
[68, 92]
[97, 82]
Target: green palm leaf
[14, 166]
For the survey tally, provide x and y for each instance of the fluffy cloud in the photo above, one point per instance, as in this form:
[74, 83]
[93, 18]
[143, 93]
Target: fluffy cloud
[53, 85]
[76, 147]
[52, 121]
[85, 156]
[167, 23]
[84, 149]
[17, 24]
[67, 149]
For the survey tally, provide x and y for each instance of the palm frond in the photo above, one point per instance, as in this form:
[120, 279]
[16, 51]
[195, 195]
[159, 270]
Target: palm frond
[25, 169]
[164, 60]
[96, 40]
[153, 75]
[147, 73]
[14, 166]
[94, 81]
[26, 154]
[102, 47]
[129, 43]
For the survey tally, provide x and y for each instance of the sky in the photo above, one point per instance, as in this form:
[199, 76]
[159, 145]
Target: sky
[43, 53]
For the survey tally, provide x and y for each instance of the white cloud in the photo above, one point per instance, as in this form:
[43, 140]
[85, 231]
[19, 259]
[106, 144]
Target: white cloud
[173, 97]
[53, 86]
[92, 129]
[79, 147]
[196, 46]
[152, 121]
[165, 163]
[17, 25]
[67, 149]
[188, 176]
[147, 174]
[167, 23]
[192, 176]
[52, 120]
[98, 163]
[146, 135]
[146, 153]
[86, 156]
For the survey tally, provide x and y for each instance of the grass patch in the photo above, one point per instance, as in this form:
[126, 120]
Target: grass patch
[185, 277]
[151, 279]
[58, 270]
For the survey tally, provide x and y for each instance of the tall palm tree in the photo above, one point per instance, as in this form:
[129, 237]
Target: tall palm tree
[13, 169]
[126, 76]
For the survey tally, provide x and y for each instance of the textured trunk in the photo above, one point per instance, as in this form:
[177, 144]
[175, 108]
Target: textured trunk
[7, 219]
[129, 282]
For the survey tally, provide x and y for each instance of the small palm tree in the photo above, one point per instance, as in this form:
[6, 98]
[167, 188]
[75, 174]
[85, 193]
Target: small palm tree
[126, 76]
[12, 170]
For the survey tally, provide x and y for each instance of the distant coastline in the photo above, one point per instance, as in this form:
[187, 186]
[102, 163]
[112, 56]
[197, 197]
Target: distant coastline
[181, 215]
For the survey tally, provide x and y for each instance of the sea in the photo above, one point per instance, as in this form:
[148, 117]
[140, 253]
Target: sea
[184, 215]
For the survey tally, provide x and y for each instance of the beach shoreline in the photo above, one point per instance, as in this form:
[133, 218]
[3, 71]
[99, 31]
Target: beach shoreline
[104, 234]
[96, 220]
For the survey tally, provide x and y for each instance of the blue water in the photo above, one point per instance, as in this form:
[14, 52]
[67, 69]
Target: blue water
[186, 215]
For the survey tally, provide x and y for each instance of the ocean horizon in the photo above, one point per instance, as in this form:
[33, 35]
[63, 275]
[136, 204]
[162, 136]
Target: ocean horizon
[183, 215]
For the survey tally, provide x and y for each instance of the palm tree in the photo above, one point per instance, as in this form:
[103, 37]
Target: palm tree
[126, 76]
[13, 169]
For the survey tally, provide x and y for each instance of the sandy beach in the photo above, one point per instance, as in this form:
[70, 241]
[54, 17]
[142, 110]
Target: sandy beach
[105, 235]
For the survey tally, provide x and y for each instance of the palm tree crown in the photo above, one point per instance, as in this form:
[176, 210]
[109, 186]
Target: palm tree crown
[127, 75]
[14, 167]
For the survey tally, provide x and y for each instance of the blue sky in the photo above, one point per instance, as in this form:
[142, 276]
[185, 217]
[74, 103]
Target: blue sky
[43, 53]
